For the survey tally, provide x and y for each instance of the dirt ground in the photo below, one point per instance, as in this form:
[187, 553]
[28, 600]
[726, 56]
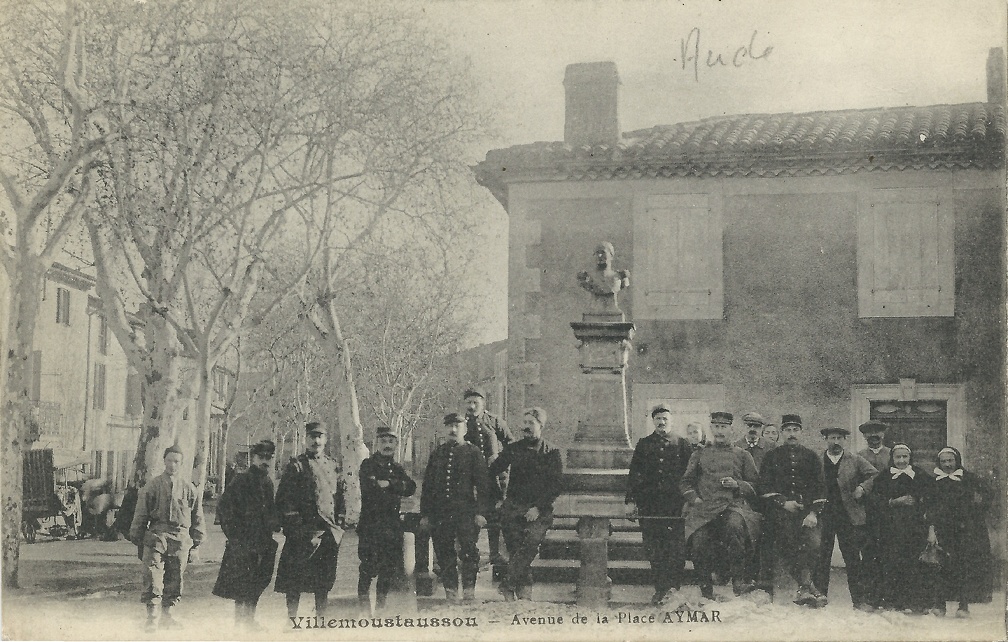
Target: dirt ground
[90, 590]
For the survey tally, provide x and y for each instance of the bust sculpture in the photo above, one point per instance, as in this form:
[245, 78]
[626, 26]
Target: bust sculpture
[604, 282]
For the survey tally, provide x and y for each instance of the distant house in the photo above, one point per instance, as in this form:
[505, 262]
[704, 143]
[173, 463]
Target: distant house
[86, 399]
[844, 265]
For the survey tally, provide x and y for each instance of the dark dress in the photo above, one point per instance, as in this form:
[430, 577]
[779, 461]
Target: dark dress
[957, 510]
[247, 516]
[902, 532]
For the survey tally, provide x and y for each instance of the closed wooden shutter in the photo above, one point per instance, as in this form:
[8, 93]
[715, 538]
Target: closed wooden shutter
[678, 257]
[906, 260]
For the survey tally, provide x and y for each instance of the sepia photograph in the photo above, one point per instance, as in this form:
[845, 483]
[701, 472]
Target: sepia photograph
[503, 319]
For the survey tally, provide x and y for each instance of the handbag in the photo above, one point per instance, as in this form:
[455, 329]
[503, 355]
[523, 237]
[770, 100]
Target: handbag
[933, 555]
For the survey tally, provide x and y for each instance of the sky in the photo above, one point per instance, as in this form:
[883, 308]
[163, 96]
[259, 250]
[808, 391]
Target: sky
[797, 57]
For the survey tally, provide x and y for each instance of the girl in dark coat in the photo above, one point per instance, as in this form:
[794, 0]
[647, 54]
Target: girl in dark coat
[900, 493]
[247, 516]
[955, 510]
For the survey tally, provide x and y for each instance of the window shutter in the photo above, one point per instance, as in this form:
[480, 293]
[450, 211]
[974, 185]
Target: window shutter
[906, 263]
[679, 240]
[35, 376]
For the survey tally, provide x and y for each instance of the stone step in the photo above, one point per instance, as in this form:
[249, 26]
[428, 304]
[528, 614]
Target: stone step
[566, 571]
[564, 544]
[591, 480]
[617, 524]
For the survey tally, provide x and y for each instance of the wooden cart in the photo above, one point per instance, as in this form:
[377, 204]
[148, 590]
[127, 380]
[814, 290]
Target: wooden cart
[44, 500]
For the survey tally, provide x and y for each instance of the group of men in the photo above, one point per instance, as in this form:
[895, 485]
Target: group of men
[737, 508]
[465, 488]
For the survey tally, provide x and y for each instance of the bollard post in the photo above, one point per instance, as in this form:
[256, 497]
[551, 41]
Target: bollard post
[594, 588]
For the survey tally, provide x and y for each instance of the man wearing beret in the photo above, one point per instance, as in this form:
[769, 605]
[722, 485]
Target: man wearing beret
[380, 535]
[312, 509]
[168, 526]
[453, 503]
[753, 442]
[490, 434]
[877, 454]
[247, 515]
[653, 494]
[792, 487]
[719, 486]
[848, 479]
[527, 513]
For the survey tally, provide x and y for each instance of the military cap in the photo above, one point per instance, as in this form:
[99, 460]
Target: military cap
[834, 430]
[790, 420]
[474, 391]
[872, 426]
[721, 417]
[174, 448]
[662, 407]
[753, 418]
[315, 427]
[385, 431]
[453, 418]
[264, 448]
[536, 413]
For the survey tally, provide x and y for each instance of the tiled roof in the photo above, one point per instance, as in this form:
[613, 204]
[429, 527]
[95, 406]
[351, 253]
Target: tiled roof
[943, 137]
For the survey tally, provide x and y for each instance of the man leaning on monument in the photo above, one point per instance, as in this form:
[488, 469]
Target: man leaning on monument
[168, 527]
[527, 513]
[653, 496]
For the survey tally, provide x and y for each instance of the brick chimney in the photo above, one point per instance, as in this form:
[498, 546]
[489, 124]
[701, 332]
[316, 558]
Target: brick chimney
[592, 104]
[996, 76]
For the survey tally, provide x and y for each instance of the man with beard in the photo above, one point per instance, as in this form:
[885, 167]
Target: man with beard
[527, 513]
[490, 434]
[311, 506]
[791, 483]
[877, 454]
[848, 479]
[453, 503]
[380, 534]
[247, 515]
[753, 442]
[718, 485]
[656, 468]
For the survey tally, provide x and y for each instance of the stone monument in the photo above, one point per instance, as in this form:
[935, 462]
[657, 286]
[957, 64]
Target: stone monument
[598, 461]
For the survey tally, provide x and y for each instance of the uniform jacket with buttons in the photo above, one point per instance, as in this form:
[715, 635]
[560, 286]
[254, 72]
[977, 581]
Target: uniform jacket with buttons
[656, 470]
[704, 472]
[853, 470]
[380, 506]
[310, 497]
[480, 433]
[455, 482]
[793, 473]
[536, 473]
[757, 451]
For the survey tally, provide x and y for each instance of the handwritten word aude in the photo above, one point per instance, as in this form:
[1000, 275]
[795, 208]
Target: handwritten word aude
[690, 47]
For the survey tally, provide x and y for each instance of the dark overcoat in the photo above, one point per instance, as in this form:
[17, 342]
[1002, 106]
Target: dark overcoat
[247, 515]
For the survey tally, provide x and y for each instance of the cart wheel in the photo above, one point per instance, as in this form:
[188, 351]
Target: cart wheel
[29, 531]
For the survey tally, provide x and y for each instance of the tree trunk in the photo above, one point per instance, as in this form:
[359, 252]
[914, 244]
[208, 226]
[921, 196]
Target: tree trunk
[24, 300]
[353, 449]
[204, 415]
[221, 463]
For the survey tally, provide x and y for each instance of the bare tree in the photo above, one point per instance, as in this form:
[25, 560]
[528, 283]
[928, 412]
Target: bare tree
[54, 130]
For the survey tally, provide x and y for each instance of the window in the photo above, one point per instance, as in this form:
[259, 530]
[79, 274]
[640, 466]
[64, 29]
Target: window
[678, 259]
[220, 386]
[99, 386]
[133, 404]
[922, 425]
[919, 414]
[63, 306]
[35, 376]
[110, 465]
[906, 262]
[102, 335]
[98, 455]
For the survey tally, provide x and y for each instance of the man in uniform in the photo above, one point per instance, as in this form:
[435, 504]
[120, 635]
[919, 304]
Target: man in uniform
[380, 535]
[247, 515]
[168, 527]
[311, 507]
[753, 442]
[527, 513]
[653, 494]
[718, 485]
[877, 455]
[453, 503]
[792, 487]
[848, 479]
[490, 434]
